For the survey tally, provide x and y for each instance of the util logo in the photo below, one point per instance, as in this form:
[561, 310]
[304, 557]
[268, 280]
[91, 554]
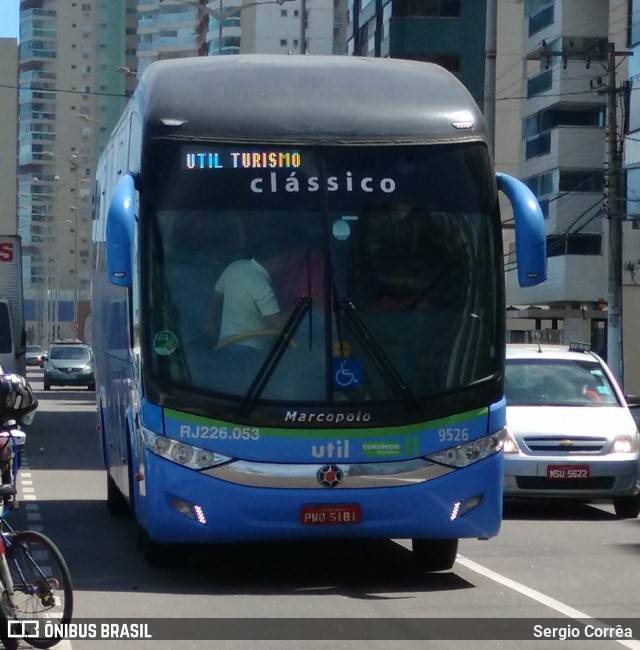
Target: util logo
[339, 449]
[7, 252]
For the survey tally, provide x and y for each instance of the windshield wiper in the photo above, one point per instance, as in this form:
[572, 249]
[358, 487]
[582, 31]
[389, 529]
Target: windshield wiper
[302, 306]
[376, 352]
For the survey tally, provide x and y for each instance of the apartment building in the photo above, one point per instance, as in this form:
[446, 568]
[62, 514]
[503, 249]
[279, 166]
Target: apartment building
[566, 151]
[56, 156]
[625, 22]
[169, 29]
[563, 150]
[450, 33]
[551, 96]
[8, 135]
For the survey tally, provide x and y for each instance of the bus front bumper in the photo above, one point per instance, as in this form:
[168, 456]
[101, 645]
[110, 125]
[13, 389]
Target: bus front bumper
[185, 506]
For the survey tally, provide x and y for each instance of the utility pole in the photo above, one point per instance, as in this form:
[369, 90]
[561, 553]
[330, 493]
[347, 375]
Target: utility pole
[303, 27]
[491, 47]
[613, 212]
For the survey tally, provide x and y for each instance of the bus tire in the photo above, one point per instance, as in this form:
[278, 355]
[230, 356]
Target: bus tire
[434, 554]
[156, 555]
[117, 505]
[627, 507]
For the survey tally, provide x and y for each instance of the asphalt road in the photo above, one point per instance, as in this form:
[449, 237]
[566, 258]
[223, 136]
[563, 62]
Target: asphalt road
[551, 564]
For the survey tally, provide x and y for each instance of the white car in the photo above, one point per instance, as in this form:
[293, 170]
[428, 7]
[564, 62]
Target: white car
[571, 433]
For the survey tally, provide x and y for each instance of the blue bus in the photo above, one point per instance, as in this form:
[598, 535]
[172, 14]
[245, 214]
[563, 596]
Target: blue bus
[353, 388]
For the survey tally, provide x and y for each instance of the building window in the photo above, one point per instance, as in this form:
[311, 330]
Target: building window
[633, 193]
[541, 185]
[539, 84]
[450, 62]
[561, 115]
[426, 8]
[634, 22]
[540, 20]
[583, 180]
[574, 244]
[538, 146]
[283, 42]
[544, 208]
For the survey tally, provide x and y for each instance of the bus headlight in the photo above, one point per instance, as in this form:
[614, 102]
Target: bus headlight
[180, 452]
[470, 452]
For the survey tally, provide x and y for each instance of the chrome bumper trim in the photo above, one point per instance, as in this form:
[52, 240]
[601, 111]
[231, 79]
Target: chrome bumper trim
[304, 476]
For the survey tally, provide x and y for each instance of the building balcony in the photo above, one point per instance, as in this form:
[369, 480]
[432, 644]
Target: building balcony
[570, 278]
[568, 147]
[575, 211]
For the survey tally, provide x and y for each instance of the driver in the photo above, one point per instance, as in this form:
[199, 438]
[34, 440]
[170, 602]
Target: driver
[244, 300]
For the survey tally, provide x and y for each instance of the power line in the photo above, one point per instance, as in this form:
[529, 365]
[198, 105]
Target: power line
[62, 90]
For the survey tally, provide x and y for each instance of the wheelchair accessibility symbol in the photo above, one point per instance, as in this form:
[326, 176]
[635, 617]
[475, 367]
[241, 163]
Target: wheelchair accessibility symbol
[347, 373]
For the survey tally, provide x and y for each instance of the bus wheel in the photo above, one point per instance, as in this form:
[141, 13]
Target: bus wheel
[434, 554]
[156, 555]
[117, 505]
[627, 507]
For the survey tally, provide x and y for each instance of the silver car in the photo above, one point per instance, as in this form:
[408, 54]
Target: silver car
[69, 364]
[571, 433]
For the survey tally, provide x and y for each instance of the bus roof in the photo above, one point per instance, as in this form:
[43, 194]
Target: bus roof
[296, 99]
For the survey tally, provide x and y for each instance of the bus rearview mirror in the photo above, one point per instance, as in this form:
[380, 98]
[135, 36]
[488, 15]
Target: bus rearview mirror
[530, 233]
[120, 225]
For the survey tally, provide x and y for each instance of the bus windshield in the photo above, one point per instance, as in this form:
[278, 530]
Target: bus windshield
[388, 285]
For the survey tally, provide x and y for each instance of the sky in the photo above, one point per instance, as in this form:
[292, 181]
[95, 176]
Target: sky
[9, 23]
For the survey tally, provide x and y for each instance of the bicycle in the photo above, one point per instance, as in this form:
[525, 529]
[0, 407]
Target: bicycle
[36, 593]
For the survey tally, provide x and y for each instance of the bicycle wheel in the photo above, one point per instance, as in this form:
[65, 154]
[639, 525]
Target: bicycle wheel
[42, 584]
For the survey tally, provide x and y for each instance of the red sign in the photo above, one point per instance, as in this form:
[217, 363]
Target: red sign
[328, 515]
[7, 252]
[568, 472]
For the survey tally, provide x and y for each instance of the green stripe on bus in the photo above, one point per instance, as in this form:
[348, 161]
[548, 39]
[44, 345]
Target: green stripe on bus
[343, 433]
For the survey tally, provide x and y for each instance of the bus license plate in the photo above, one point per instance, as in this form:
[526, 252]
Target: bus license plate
[567, 472]
[330, 515]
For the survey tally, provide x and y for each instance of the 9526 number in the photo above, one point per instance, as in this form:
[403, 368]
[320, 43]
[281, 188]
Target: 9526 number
[453, 434]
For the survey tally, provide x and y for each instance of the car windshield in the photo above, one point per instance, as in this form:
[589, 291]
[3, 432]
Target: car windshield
[34, 348]
[557, 382]
[69, 352]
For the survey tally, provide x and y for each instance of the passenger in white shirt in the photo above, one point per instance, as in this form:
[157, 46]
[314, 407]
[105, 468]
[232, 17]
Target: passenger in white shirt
[244, 301]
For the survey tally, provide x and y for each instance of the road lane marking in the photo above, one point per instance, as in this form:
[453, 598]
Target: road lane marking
[538, 596]
[34, 518]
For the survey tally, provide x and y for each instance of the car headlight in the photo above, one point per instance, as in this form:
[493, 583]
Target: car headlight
[625, 444]
[180, 452]
[470, 452]
[510, 444]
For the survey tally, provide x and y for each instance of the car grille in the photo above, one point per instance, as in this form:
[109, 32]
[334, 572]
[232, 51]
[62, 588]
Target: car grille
[564, 444]
[543, 483]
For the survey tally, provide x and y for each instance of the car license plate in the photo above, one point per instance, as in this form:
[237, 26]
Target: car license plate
[330, 515]
[567, 472]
